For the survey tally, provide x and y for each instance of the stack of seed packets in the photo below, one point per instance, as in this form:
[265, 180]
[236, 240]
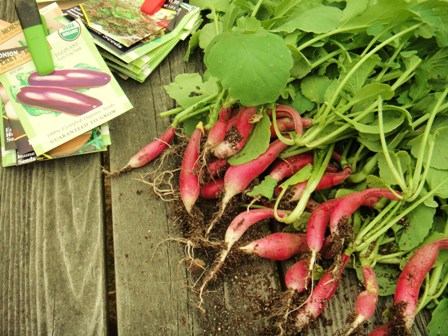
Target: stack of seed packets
[61, 114]
[133, 43]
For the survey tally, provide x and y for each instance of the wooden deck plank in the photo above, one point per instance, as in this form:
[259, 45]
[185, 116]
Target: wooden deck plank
[52, 249]
[150, 285]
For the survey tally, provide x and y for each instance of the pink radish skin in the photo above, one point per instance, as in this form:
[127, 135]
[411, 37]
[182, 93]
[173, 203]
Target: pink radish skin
[288, 167]
[297, 276]
[411, 279]
[218, 131]
[315, 228]
[239, 225]
[243, 128]
[242, 222]
[328, 180]
[288, 111]
[212, 190]
[277, 246]
[347, 205]
[189, 187]
[214, 169]
[285, 124]
[367, 300]
[152, 150]
[217, 167]
[383, 330]
[282, 111]
[237, 178]
[321, 294]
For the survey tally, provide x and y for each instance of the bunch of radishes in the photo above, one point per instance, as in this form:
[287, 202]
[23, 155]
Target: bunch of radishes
[206, 174]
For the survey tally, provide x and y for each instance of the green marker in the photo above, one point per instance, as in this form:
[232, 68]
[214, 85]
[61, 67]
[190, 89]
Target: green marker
[35, 36]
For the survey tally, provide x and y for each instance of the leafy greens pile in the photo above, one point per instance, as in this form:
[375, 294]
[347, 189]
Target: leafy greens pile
[372, 75]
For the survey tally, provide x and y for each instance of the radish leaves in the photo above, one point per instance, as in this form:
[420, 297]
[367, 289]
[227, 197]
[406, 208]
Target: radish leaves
[240, 59]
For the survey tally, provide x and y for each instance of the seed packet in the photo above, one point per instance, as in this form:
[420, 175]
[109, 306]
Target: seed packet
[79, 96]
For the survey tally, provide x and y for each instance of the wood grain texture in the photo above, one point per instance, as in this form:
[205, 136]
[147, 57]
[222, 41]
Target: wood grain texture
[152, 297]
[52, 249]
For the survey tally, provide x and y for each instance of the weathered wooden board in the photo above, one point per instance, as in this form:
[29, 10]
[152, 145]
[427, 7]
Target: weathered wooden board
[52, 274]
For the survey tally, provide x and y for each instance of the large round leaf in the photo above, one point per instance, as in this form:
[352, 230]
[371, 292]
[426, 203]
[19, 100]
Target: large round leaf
[253, 66]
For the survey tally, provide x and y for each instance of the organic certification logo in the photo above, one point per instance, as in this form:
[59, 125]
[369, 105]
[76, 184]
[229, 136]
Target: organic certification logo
[70, 32]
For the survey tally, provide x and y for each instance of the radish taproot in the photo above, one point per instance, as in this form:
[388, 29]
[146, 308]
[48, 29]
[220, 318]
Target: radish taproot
[238, 177]
[147, 153]
[328, 180]
[296, 281]
[383, 330]
[315, 229]
[212, 189]
[217, 132]
[409, 283]
[347, 205]
[277, 246]
[236, 137]
[189, 186]
[285, 124]
[322, 293]
[213, 169]
[289, 166]
[297, 276]
[295, 122]
[366, 301]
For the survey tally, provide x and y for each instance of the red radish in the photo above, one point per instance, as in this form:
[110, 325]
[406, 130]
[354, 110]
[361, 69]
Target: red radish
[216, 168]
[297, 276]
[277, 246]
[149, 152]
[328, 180]
[367, 300]
[237, 178]
[321, 294]
[188, 179]
[383, 330]
[212, 190]
[285, 124]
[282, 111]
[307, 122]
[296, 281]
[288, 167]
[411, 279]
[236, 137]
[288, 111]
[239, 225]
[327, 250]
[347, 205]
[315, 228]
[218, 131]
